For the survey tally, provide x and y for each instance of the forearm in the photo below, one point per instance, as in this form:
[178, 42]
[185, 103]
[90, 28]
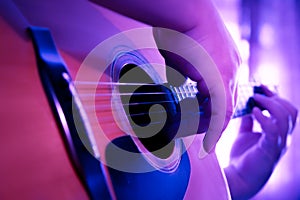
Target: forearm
[197, 19]
[174, 14]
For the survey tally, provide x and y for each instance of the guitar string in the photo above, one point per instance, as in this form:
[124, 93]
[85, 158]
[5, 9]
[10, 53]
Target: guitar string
[112, 83]
[109, 86]
[111, 120]
[107, 108]
[121, 94]
[85, 96]
[88, 83]
[146, 103]
[108, 120]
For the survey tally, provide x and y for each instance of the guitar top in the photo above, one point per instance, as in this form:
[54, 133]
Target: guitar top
[38, 160]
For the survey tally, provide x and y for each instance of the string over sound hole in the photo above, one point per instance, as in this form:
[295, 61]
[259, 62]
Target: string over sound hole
[151, 108]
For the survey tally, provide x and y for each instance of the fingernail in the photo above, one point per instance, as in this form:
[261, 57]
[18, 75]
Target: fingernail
[255, 109]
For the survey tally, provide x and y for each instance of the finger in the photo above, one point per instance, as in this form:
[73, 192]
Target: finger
[262, 119]
[265, 122]
[272, 132]
[293, 112]
[269, 104]
[267, 91]
[246, 124]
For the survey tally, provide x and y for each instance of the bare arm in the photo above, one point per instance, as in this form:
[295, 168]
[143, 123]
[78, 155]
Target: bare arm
[176, 14]
[198, 20]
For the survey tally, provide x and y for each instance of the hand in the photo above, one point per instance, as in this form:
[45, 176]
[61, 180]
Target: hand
[200, 21]
[253, 149]
[219, 45]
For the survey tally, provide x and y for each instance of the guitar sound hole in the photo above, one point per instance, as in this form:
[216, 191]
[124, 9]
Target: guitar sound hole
[142, 98]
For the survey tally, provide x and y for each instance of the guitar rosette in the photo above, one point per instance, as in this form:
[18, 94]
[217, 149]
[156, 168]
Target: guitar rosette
[100, 87]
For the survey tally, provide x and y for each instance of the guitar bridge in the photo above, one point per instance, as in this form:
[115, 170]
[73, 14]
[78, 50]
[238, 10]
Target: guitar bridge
[187, 90]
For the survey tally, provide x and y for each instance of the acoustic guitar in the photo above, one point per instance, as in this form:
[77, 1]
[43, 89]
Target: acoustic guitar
[45, 126]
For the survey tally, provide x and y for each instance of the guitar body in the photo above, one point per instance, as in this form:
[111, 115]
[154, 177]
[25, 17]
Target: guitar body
[34, 159]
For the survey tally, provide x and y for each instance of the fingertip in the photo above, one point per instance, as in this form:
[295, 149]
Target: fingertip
[259, 116]
[255, 110]
[246, 124]
[259, 99]
[267, 91]
[258, 96]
